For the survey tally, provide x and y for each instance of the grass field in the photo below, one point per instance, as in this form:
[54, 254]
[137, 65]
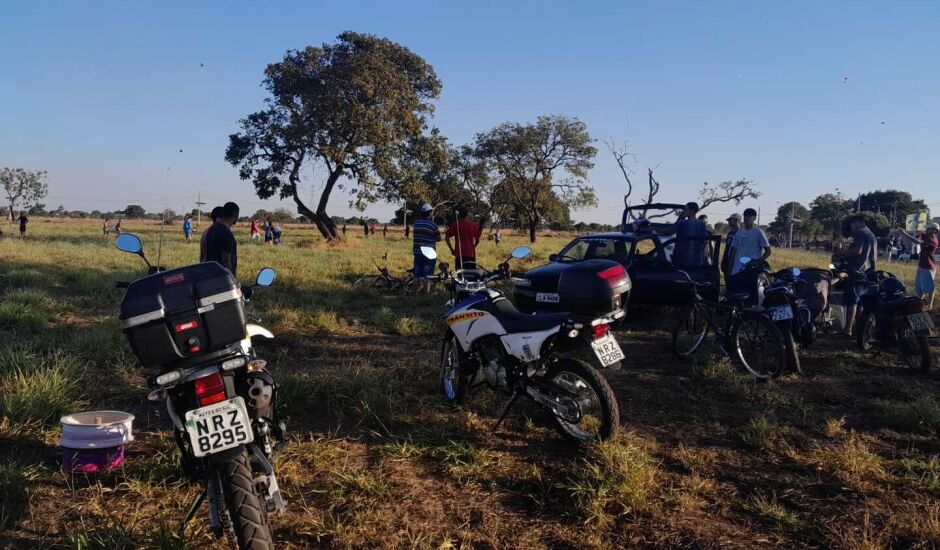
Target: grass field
[845, 456]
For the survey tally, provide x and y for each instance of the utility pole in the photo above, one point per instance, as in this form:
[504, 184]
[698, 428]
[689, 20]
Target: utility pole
[792, 220]
[199, 205]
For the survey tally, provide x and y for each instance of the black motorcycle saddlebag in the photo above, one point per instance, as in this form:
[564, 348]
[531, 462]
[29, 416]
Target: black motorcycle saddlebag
[593, 288]
[183, 313]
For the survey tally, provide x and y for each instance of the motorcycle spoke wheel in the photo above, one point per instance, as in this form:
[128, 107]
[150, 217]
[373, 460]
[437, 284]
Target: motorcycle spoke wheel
[453, 381]
[915, 351]
[599, 413]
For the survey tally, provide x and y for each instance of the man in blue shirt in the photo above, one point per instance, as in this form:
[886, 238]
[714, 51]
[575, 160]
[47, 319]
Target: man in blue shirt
[188, 228]
[426, 233]
[690, 238]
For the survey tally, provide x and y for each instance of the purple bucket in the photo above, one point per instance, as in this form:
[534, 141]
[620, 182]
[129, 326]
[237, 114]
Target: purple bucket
[92, 461]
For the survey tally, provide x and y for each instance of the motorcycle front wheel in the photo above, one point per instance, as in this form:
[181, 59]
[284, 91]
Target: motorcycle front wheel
[454, 381]
[246, 510]
[600, 414]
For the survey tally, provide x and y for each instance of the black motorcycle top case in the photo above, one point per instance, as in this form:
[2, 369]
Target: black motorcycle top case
[583, 292]
[183, 313]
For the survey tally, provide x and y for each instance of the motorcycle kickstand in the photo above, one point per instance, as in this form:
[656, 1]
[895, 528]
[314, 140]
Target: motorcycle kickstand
[197, 502]
[509, 404]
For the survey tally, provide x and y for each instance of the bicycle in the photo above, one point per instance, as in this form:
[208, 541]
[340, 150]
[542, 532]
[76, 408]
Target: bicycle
[748, 332]
[383, 281]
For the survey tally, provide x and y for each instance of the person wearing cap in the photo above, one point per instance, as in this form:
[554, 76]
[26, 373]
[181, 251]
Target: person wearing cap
[924, 284]
[749, 242]
[734, 223]
[426, 233]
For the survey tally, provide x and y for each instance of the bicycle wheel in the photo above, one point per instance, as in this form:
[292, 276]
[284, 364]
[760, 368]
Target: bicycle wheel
[759, 346]
[372, 281]
[690, 332]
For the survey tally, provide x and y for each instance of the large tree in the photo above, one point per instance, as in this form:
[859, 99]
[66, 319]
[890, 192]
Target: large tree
[895, 205]
[347, 107]
[23, 187]
[829, 209]
[527, 158]
[789, 212]
[134, 211]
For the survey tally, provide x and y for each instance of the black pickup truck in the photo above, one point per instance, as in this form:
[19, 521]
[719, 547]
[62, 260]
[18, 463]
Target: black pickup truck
[647, 256]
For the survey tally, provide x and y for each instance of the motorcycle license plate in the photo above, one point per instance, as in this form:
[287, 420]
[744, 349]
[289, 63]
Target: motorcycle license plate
[547, 297]
[781, 313]
[607, 350]
[218, 427]
[921, 323]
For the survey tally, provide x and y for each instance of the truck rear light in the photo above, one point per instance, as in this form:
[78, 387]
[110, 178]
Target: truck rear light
[615, 276]
[209, 389]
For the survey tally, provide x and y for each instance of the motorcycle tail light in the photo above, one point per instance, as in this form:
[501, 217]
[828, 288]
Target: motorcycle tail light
[210, 389]
[601, 330]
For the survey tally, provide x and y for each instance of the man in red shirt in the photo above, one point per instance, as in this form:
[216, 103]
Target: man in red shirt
[926, 263]
[467, 236]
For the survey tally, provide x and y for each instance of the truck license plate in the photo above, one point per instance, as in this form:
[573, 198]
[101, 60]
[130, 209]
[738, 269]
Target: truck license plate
[218, 427]
[607, 350]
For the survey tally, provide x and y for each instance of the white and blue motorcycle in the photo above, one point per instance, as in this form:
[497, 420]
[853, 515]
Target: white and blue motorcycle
[488, 342]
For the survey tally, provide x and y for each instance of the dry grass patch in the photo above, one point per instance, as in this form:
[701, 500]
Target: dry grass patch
[695, 459]
[770, 508]
[617, 477]
[852, 462]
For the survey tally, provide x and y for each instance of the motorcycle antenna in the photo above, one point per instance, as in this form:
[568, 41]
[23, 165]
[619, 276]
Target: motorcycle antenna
[457, 229]
[166, 177]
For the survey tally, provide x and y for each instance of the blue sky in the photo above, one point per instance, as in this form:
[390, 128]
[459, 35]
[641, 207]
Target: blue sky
[802, 97]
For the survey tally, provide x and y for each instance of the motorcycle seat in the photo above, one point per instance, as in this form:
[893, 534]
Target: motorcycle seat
[514, 321]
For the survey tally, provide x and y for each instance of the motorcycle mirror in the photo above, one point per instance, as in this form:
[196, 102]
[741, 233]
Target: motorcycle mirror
[521, 252]
[429, 252]
[130, 243]
[266, 277]
[745, 260]
[796, 272]
[832, 266]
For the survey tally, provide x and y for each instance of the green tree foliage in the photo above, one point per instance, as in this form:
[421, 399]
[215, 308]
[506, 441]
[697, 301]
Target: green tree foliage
[829, 209]
[348, 107]
[23, 187]
[280, 215]
[527, 157]
[134, 211]
[895, 205]
[877, 222]
[786, 212]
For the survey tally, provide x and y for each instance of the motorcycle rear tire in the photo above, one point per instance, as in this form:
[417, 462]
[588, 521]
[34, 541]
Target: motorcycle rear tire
[246, 509]
[607, 401]
[866, 330]
[921, 358]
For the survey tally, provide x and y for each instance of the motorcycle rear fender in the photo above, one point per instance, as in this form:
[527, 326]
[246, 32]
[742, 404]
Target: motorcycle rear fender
[227, 455]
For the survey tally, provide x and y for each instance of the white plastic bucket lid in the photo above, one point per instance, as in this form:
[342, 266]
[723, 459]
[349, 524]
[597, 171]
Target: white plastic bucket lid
[96, 429]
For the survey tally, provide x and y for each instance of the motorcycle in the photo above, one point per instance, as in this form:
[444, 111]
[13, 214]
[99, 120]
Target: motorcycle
[488, 342]
[889, 319]
[220, 398]
[790, 313]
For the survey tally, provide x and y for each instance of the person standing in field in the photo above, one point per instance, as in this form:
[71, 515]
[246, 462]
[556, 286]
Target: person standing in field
[268, 231]
[106, 227]
[255, 233]
[214, 216]
[372, 228]
[407, 231]
[862, 259]
[426, 233]
[23, 221]
[117, 227]
[924, 281]
[365, 228]
[497, 237]
[466, 235]
[188, 228]
[384, 231]
[749, 242]
[734, 221]
[344, 229]
[276, 230]
[221, 245]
